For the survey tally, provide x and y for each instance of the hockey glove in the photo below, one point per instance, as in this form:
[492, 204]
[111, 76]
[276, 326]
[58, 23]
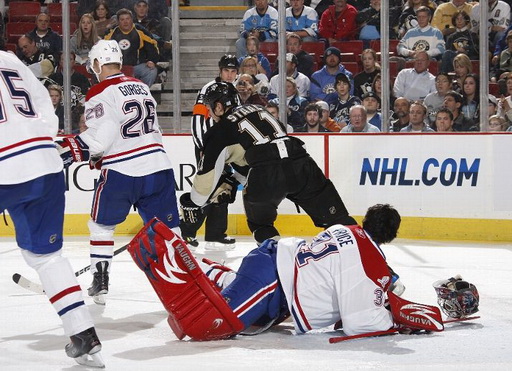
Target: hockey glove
[192, 214]
[72, 149]
[226, 190]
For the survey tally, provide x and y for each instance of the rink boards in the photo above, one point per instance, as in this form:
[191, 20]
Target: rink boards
[445, 186]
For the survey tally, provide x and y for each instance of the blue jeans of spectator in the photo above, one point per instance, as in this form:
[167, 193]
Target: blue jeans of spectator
[145, 74]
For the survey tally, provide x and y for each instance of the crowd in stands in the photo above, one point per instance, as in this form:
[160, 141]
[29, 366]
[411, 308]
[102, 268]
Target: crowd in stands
[434, 59]
[34, 32]
[332, 60]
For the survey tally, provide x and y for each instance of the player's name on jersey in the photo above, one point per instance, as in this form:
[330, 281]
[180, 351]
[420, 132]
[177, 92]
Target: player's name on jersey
[132, 89]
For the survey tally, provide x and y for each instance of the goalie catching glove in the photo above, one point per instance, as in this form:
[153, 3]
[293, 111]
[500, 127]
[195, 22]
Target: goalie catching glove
[72, 149]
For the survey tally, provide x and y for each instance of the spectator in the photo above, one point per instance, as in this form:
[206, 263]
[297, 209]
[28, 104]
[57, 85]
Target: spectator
[304, 59]
[358, 122]
[302, 20]
[506, 58]
[80, 118]
[453, 101]
[159, 28]
[493, 105]
[443, 15]
[323, 80]
[497, 124]
[363, 80]
[102, 18]
[498, 20]
[471, 94]
[462, 67]
[415, 83]
[371, 102]
[273, 109]
[138, 47]
[301, 81]
[435, 100]
[246, 90]
[424, 37]
[505, 107]
[39, 62]
[417, 115]
[253, 50]
[84, 38]
[259, 21]
[249, 66]
[46, 40]
[462, 41]
[341, 101]
[295, 104]
[55, 92]
[377, 87]
[325, 120]
[500, 46]
[312, 114]
[79, 83]
[401, 114]
[338, 22]
[407, 18]
[368, 21]
[444, 120]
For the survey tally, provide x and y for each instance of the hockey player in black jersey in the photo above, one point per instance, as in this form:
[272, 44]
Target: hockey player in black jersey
[280, 167]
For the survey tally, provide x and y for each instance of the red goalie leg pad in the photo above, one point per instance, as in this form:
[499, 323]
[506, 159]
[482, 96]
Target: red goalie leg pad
[415, 316]
[195, 306]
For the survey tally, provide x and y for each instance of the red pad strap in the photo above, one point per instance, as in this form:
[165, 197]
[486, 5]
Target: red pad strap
[193, 302]
[414, 315]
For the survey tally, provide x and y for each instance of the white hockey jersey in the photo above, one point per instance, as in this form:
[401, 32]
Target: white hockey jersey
[28, 125]
[499, 15]
[340, 275]
[122, 126]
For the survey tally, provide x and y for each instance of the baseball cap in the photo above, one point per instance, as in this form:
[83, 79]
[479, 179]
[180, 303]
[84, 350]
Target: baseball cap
[370, 94]
[332, 50]
[323, 105]
[493, 100]
[342, 77]
[290, 57]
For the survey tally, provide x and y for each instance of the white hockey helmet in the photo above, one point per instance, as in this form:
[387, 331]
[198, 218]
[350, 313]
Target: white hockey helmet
[105, 51]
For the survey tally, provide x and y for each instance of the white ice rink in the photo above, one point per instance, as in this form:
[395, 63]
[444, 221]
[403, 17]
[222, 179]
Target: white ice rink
[135, 335]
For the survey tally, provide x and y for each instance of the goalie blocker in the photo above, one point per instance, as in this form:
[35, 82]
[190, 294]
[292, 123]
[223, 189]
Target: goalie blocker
[195, 306]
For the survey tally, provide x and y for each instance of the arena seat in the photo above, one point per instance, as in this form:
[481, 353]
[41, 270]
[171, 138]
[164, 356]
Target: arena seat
[55, 12]
[315, 49]
[393, 44]
[350, 50]
[24, 11]
[352, 67]
[14, 30]
[269, 48]
[57, 27]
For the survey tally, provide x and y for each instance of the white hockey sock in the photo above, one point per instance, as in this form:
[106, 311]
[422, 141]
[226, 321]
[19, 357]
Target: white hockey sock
[63, 290]
[102, 244]
[219, 274]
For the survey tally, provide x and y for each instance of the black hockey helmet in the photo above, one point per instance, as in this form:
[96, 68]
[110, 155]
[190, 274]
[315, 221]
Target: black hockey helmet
[228, 61]
[223, 92]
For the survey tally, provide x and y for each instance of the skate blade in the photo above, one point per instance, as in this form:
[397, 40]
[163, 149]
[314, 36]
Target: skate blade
[100, 299]
[214, 246]
[91, 360]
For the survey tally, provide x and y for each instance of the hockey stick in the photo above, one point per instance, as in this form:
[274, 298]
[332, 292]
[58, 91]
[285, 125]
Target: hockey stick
[38, 288]
[338, 339]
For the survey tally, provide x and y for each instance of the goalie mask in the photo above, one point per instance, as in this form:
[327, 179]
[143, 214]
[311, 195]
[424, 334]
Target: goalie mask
[105, 52]
[221, 92]
[456, 297]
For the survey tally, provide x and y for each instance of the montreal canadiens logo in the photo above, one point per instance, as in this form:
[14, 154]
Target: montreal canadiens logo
[124, 44]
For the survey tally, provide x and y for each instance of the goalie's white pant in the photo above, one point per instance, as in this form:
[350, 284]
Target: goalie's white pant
[62, 288]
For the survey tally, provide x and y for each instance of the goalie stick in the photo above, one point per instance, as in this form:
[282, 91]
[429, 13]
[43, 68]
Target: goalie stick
[38, 288]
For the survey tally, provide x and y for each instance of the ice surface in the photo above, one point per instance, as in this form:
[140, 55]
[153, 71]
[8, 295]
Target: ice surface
[135, 335]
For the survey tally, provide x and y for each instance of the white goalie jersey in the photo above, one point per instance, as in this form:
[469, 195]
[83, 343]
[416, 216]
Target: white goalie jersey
[122, 127]
[341, 275]
[28, 125]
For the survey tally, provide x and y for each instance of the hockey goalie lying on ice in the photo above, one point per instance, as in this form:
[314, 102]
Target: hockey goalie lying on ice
[341, 277]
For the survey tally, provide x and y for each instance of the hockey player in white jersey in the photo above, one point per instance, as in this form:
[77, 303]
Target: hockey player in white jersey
[32, 190]
[340, 277]
[123, 140]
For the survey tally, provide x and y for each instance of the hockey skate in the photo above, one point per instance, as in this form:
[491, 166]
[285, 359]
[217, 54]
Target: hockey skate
[192, 242]
[85, 349]
[99, 285]
[222, 244]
